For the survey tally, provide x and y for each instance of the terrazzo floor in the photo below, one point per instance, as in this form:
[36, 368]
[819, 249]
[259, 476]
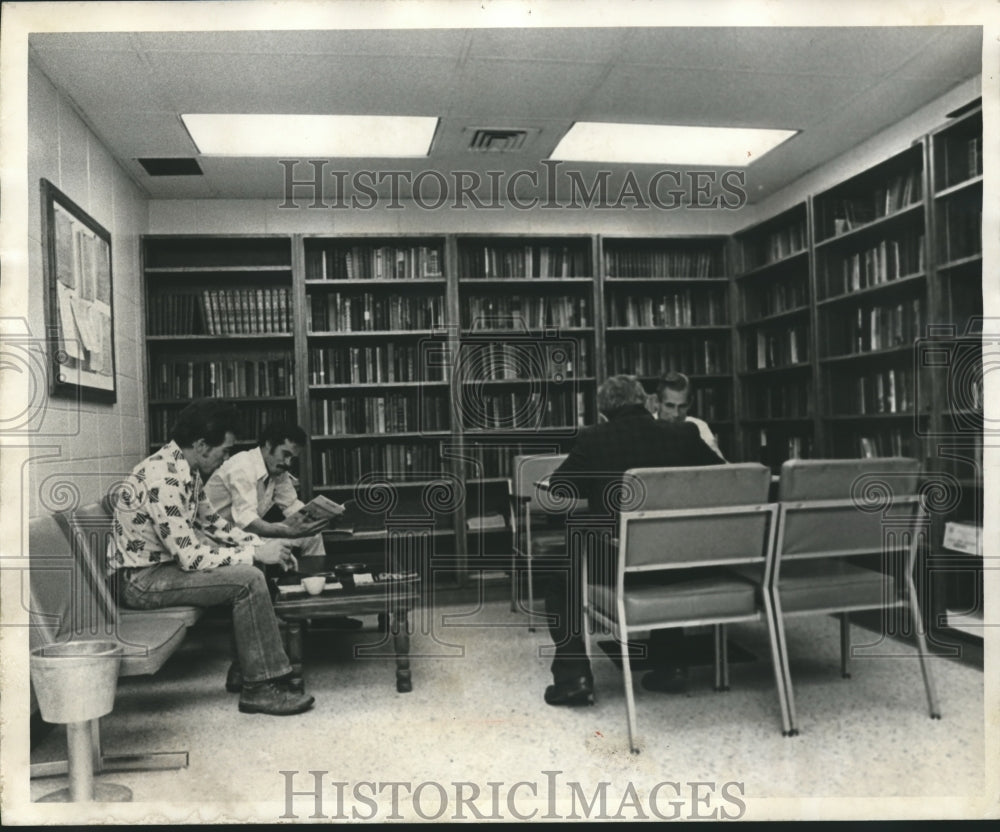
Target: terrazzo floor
[867, 747]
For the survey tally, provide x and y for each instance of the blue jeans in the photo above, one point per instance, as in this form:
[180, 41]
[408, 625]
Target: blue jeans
[255, 627]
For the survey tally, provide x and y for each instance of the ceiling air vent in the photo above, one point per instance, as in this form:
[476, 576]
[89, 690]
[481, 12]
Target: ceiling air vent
[171, 167]
[500, 139]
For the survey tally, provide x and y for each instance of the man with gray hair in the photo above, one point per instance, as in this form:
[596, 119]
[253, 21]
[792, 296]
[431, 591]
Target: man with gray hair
[630, 438]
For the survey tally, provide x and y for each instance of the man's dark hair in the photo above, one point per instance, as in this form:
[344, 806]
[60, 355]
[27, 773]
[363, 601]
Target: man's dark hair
[208, 419]
[277, 433]
[678, 382]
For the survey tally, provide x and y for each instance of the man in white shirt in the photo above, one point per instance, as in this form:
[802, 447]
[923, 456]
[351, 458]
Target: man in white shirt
[671, 405]
[258, 483]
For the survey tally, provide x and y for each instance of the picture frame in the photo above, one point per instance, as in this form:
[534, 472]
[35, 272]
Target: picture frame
[79, 300]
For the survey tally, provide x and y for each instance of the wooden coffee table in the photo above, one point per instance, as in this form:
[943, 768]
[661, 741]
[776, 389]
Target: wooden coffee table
[391, 600]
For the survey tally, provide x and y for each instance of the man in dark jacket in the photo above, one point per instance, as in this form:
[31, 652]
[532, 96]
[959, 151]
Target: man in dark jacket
[630, 438]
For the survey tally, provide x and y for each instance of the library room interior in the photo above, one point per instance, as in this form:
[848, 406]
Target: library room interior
[525, 416]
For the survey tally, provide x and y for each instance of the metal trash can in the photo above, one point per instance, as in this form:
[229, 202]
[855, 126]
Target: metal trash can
[75, 683]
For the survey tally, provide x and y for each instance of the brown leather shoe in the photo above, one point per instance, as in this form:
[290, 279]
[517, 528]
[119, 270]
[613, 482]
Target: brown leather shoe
[274, 699]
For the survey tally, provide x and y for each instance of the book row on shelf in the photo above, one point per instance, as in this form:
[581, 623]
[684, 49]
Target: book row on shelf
[880, 327]
[374, 262]
[708, 402]
[516, 410]
[886, 442]
[372, 364]
[641, 262]
[962, 230]
[887, 261]
[492, 261]
[679, 308]
[781, 400]
[771, 446]
[963, 159]
[339, 465]
[781, 243]
[416, 412]
[252, 421]
[233, 377]
[698, 355]
[851, 212]
[341, 312]
[519, 313]
[513, 359]
[776, 347]
[220, 312]
[886, 391]
[483, 460]
[776, 297]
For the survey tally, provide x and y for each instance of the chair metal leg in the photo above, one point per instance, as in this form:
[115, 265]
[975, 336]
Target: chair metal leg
[531, 594]
[721, 658]
[779, 625]
[629, 693]
[779, 661]
[845, 644]
[922, 653]
[513, 581]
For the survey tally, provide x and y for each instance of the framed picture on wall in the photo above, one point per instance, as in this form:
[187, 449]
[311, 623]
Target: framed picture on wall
[78, 300]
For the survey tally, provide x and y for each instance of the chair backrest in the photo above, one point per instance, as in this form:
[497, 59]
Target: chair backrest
[844, 507]
[64, 600]
[689, 516]
[529, 469]
[90, 528]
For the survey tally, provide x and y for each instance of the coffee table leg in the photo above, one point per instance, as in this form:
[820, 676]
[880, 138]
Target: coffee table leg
[297, 684]
[400, 626]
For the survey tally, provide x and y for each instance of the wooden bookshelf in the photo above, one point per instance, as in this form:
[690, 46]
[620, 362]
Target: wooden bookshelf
[956, 434]
[666, 304]
[871, 257]
[525, 366]
[774, 337]
[219, 323]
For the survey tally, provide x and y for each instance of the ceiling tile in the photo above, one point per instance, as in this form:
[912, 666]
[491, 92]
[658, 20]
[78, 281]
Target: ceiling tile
[500, 89]
[140, 133]
[807, 50]
[96, 79]
[712, 97]
[576, 45]
[218, 83]
[443, 43]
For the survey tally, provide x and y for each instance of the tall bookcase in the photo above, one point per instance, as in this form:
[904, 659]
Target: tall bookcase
[667, 308]
[775, 339]
[378, 405]
[872, 305]
[219, 322]
[954, 351]
[525, 364]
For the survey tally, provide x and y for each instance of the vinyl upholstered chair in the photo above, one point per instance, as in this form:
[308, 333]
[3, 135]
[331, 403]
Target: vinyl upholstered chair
[66, 605]
[91, 528]
[831, 514]
[534, 535]
[679, 532]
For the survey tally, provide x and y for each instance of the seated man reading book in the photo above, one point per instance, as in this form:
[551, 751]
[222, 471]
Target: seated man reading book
[255, 490]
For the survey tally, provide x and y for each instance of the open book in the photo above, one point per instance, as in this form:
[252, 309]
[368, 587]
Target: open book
[318, 508]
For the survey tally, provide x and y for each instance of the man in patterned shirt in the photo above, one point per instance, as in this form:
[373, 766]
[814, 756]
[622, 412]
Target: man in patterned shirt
[170, 548]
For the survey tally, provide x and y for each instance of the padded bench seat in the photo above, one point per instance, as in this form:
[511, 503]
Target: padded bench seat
[809, 584]
[688, 599]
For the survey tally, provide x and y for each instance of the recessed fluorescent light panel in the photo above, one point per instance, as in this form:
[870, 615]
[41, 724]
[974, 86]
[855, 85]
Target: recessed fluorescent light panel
[220, 134]
[657, 144]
